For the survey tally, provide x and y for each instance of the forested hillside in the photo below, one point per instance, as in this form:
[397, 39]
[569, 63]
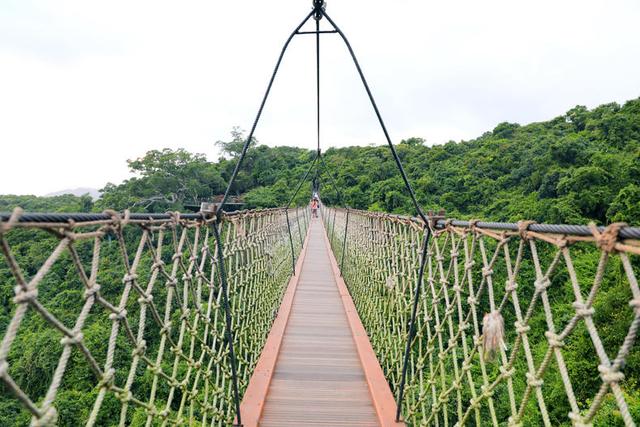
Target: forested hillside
[584, 165]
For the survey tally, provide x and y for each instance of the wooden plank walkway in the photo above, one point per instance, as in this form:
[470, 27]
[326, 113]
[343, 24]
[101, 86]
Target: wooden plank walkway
[314, 370]
[318, 378]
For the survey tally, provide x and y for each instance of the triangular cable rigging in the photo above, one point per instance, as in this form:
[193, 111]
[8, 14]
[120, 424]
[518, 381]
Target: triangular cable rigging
[318, 12]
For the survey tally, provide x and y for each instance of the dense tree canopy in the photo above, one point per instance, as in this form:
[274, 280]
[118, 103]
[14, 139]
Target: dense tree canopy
[584, 165]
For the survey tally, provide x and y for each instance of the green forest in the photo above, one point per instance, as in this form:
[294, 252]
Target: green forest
[578, 167]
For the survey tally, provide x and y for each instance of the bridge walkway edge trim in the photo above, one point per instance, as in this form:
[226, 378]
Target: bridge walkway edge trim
[255, 395]
[383, 400]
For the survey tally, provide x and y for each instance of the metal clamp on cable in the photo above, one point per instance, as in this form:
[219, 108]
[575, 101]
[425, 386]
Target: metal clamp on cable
[434, 218]
[318, 7]
[208, 208]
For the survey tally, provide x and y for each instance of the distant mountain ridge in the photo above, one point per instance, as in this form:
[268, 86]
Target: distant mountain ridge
[80, 191]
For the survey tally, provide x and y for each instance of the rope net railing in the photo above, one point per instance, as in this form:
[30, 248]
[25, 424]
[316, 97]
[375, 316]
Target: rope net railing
[146, 344]
[514, 326]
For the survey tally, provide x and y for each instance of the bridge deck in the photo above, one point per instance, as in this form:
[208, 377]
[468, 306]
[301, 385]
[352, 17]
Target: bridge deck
[323, 373]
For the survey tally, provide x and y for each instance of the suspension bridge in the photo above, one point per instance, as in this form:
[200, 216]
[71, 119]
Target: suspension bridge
[277, 317]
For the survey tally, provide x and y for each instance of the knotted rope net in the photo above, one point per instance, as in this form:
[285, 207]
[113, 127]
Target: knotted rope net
[514, 327]
[124, 318]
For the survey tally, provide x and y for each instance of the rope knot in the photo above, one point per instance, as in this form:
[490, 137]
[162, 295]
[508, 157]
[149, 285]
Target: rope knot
[24, 296]
[145, 299]
[533, 381]
[610, 374]
[554, 339]
[514, 422]
[487, 392]
[165, 329]
[583, 310]
[120, 315]
[140, 348]
[72, 340]
[107, 378]
[155, 369]
[577, 420]
[609, 237]
[129, 277]
[541, 285]
[510, 286]
[523, 229]
[635, 304]
[390, 282]
[115, 216]
[521, 328]
[175, 216]
[486, 271]
[13, 219]
[89, 292]
[507, 373]
[48, 418]
[472, 300]
[124, 396]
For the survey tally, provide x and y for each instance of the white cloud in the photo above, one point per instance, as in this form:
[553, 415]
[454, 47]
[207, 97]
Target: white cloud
[84, 85]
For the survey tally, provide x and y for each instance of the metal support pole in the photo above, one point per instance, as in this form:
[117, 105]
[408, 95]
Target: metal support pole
[344, 242]
[299, 229]
[293, 254]
[412, 326]
[333, 225]
[227, 314]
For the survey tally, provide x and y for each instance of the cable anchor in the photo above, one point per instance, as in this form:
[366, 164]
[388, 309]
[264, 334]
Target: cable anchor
[319, 7]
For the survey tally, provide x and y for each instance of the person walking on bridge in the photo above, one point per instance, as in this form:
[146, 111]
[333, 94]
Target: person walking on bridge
[314, 207]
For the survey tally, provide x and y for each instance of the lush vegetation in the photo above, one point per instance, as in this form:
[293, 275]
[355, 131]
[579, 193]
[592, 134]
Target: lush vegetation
[582, 166]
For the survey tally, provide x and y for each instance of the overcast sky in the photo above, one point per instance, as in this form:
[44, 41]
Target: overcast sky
[86, 85]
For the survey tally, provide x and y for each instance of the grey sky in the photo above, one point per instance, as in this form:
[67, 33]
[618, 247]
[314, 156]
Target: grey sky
[85, 85]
